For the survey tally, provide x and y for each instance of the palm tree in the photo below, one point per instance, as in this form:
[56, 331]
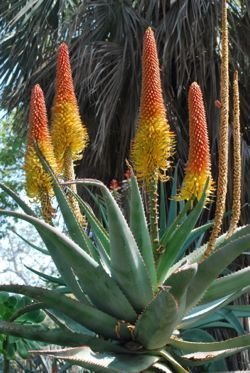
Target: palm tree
[105, 40]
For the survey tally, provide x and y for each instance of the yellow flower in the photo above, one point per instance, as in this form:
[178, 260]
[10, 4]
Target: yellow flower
[68, 133]
[154, 142]
[37, 180]
[198, 168]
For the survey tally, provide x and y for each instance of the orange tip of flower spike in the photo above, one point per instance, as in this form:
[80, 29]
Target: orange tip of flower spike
[37, 180]
[198, 168]
[154, 142]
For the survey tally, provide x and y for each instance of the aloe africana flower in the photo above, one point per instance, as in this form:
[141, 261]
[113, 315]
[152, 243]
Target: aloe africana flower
[38, 182]
[198, 168]
[69, 135]
[153, 143]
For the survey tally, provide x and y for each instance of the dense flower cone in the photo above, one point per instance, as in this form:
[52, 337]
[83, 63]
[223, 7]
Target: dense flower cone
[198, 168]
[153, 143]
[37, 180]
[68, 133]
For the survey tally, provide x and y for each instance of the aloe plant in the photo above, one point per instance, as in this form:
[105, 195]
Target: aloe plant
[126, 309]
[130, 294]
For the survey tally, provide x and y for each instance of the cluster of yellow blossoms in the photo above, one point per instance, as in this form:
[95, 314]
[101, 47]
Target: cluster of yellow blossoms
[68, 137]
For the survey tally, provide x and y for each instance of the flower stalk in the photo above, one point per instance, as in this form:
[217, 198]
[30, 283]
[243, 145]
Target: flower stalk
[236, 158]
[223, 148]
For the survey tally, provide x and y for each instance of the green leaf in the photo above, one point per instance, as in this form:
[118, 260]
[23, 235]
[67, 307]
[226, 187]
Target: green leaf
[178, 283]
[227, 285]
[95, 224]
[177, 367]
[18, 200]
[104, 362]
[201, 358]
[101, 235]
[87, 316]
[100, 287]
[176, 241]
[56, 336]
[240, 310]
[194, 235]
[127, 265]
[241, 342]
[203, 311]
[43, 251]
[157, 322]
[200, 335]
[56, 280]
[75, 230]
[210, 268]
[139, 228]
[68, 323]
[59, 261]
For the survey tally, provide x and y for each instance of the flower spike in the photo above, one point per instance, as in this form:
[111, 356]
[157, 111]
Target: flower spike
[223, 148]
[198, 168]
[38, 182]
[154, 142]
[68, 133]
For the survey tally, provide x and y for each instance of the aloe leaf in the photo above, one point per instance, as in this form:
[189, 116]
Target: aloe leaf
[200, 312]
[194, 235]
[99, 286]
[59, 261]
[197, 254]
[201, 335]
[18, 200]
[190, 347]
[177, 240]
[127, 265]
[210, 268]
[178, 368]
[104, 362]
[178, 284]
[240, 310]
[201, 358]
[56, 336]
[180, 218]
[66, 322]
[87, 316]
[95, 224]
[55, 280]
[75, 230]
[43, 251]
[232, 320]
[101, 235]
[163, 368]
[139, 228]
[153, 330]
[227, 285]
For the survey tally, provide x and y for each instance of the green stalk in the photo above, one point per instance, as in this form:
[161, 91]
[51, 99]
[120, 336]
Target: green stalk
[153, 213]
